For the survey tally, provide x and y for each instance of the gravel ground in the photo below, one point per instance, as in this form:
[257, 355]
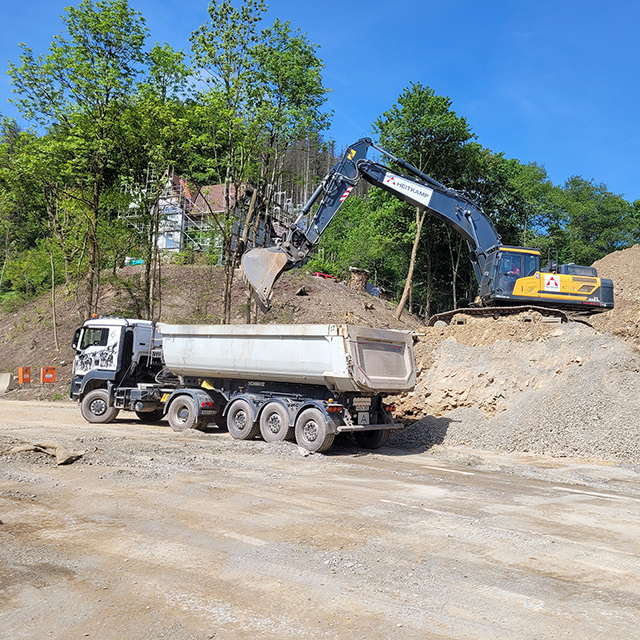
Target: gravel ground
[191, 536]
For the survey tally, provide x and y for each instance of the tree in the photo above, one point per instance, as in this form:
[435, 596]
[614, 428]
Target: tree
[80, 90]
[289, 104]
[222, 50]
[265, 93]
[152, 134]
[593, 222]
[422, 130]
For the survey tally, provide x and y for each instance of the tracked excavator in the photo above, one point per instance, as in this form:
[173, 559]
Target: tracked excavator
[510, 278]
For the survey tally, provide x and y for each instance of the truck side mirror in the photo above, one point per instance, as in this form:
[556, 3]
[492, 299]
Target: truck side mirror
[76, 339]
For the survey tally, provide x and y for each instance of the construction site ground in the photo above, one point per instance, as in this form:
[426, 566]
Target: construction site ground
[507, 507]
[154, 534]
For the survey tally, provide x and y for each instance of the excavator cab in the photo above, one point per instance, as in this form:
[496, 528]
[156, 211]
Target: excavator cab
[506, 266]
[512, 276]
[513, 265]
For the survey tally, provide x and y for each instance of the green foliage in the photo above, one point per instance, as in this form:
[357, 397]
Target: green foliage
[29, 272]
[583, 221]
[184, 257]
[423, 130]
[108, 117]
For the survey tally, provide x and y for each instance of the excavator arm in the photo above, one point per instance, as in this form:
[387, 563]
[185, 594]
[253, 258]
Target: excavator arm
[262, 267]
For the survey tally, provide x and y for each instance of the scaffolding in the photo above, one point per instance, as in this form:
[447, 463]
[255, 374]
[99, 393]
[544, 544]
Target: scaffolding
[182, 223]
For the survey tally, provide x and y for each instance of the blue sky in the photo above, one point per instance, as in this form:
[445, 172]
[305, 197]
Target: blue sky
[557, 83]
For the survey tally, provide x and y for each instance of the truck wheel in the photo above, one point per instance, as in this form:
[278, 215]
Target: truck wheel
[150, 417]
[373, 439]
[182, 414]
[312, 431]
[95, 407]
[240, 421]
[274, 423]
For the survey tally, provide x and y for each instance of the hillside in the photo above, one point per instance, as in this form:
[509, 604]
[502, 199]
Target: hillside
[507, 385]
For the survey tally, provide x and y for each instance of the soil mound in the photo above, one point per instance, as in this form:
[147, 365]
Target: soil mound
[623, 267]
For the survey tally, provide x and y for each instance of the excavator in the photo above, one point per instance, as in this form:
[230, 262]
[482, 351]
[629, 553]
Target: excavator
[510, 278]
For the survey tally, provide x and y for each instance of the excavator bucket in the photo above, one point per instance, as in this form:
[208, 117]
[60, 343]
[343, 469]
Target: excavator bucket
[261, 268]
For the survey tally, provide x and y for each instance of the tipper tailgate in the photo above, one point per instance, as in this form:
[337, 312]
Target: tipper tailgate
[383, 359]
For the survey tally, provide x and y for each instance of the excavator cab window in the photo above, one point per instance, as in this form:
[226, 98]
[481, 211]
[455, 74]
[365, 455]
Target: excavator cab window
[514, 266]
[531, 265]
[511, 265]
[508, 273]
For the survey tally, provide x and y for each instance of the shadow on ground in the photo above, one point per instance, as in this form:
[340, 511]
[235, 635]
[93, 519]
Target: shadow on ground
[417, 437]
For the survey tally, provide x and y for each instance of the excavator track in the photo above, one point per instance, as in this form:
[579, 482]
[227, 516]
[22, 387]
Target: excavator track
[500, 312]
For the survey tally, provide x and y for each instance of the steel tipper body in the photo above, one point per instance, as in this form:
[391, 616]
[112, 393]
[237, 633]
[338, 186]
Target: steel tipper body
[284, 381]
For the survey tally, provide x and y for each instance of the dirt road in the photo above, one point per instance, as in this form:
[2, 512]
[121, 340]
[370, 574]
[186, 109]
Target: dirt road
[153, 534]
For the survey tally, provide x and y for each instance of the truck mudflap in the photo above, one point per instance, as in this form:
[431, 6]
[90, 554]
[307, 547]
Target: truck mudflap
[369, 427]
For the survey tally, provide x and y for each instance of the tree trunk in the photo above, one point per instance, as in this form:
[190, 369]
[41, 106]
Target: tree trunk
[420, 216]
[53, 303]
[93, 278]
[6, 257]
[155, 282]
[455, 266]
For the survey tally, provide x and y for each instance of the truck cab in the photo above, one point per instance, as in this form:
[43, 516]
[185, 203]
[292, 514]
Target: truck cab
[113, 353]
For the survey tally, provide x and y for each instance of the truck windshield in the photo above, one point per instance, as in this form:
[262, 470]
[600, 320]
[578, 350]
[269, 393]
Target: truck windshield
[95, 337]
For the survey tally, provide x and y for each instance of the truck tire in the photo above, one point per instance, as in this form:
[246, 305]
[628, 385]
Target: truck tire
[274, 423]
[183, 414]
[95, 407]
[312, 431]
[372, 439]
[240, 421]
[150, 417]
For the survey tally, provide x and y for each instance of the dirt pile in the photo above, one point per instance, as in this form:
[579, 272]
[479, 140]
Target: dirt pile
[575, 392]
[623, 267]
[510, 385]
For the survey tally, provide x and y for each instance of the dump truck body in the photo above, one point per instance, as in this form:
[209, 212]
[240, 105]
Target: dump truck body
[342, 357]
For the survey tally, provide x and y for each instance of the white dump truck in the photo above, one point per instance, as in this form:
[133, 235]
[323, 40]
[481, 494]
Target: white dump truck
[308, 382]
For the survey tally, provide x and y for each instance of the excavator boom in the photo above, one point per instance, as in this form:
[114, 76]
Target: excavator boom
[262, 267]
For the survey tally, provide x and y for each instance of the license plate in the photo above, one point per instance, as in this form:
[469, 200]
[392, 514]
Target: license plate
[207, 412]
[363, 417]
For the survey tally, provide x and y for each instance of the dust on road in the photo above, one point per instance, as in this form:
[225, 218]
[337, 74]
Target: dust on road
[154, 534]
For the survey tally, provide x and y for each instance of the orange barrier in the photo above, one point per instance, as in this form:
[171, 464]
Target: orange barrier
[47, 374]
[24, 375]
